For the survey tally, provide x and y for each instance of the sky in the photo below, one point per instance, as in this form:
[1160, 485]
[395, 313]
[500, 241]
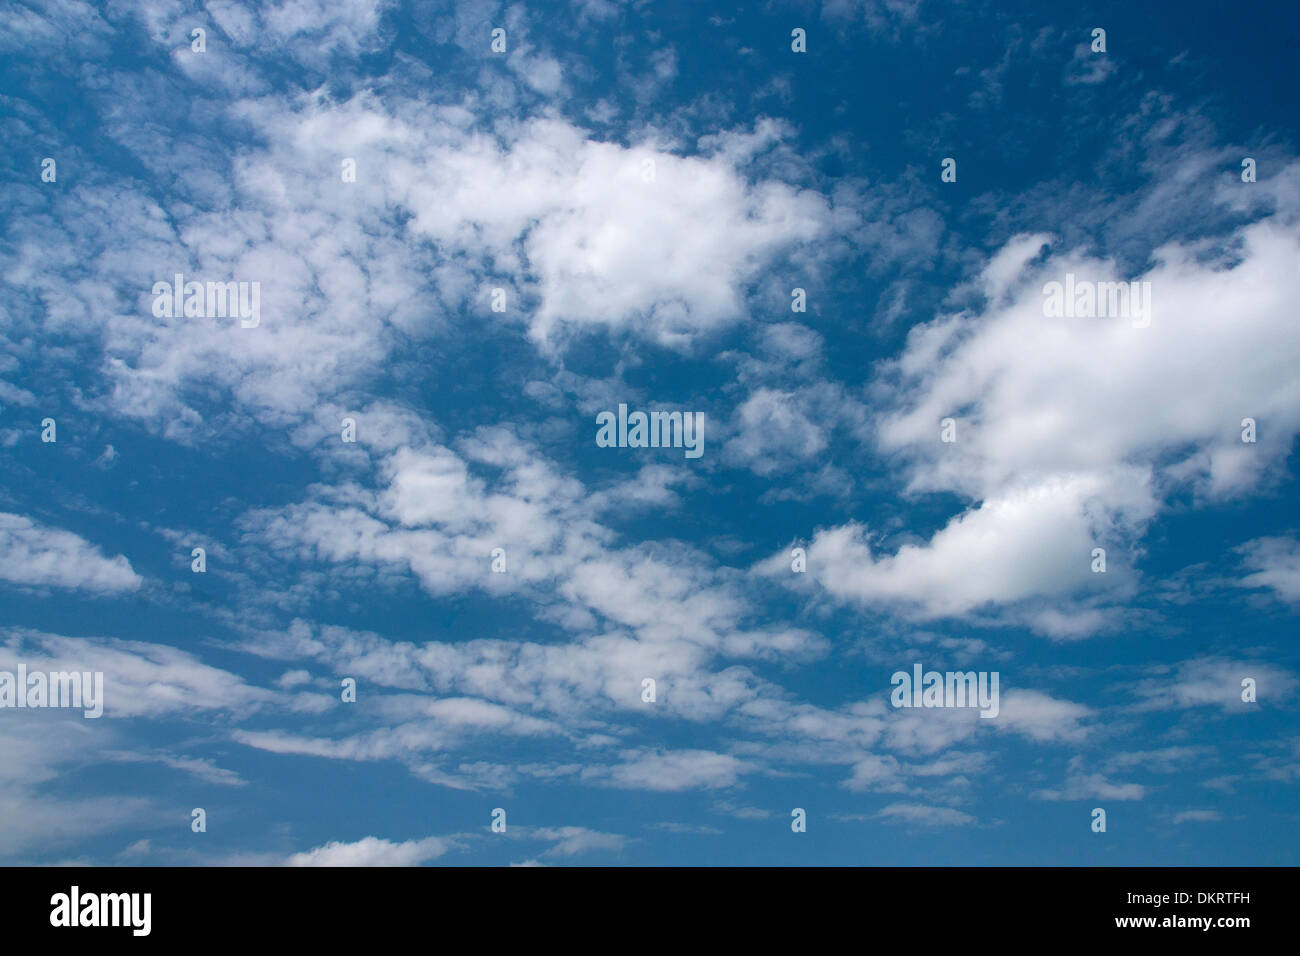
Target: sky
[429, 598]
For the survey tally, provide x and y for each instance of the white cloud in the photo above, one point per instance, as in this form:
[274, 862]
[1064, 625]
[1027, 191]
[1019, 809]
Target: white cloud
[1197, 816]
[572, 841]
[771, 426]
[1039, 716]
[1082, 785]
[1274, 563]
[35, 755]
[925, 815]
[1087, 68]
[372, 851]
[672, 770]
[140, 679]
[1030, 541]
[200, 768]
[440, 214]
[39, 556]
[1078, 446]
[877, 773]
[1214, 682]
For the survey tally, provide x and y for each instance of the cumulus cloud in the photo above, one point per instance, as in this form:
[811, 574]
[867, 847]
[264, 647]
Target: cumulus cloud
[36, 555]
[1032, 541]
[625, 251]
[1042, 717]
[372, 851]
[1080, 446]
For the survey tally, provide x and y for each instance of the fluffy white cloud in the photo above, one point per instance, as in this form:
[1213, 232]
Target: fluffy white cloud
[1098, 393]
[1042, 717]
[1030, 541]
[1274, 564]
[774, 426]
[372, 851]
[630, 237]
[1070, 432]
[39, 556]
[441, 213]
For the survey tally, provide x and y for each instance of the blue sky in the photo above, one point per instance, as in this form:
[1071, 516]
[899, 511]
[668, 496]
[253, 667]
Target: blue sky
[647, 184]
